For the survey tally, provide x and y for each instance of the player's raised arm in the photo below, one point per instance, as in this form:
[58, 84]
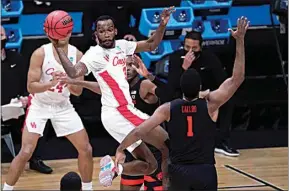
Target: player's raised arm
[73, 71]
[34, 74]
[227, 89]
[160, 115]
[77, 90]
[153, 42]
[153, 87]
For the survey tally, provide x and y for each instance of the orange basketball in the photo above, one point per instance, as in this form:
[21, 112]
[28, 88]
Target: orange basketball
[58, 24]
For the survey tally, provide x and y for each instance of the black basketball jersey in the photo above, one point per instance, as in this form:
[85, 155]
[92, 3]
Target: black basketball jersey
[138, 101]
[192, 132]
[145, 108]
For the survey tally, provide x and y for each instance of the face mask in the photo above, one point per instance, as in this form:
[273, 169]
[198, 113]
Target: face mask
[197, 54]
[3, 43]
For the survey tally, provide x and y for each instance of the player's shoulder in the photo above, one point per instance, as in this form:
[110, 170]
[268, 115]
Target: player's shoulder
[39, 52]
[95, 50]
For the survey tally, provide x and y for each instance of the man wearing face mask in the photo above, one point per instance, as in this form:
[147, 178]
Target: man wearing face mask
[13, 88]
[212, 74]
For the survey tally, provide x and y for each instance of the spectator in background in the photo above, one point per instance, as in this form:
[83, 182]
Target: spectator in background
[14, 77]
[71, 181]
[212, 74]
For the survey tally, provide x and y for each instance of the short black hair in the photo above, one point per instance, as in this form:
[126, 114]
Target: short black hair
[191, 83]
[70, 181]
[104, 18]
[194, 35]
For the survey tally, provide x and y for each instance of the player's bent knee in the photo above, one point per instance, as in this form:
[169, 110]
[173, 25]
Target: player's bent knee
[151, 167]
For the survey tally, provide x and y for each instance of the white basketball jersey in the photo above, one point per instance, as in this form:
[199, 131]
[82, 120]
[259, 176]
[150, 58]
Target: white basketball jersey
[58, 93]
[109, 68]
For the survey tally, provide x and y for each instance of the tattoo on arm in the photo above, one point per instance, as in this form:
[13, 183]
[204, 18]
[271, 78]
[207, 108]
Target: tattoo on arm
[72, 71]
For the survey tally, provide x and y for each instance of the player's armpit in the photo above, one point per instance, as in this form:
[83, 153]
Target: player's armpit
[220, 96]
[147, 92]
[71, 70]
[34, 73]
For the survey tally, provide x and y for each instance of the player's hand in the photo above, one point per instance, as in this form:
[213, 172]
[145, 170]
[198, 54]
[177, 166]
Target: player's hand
[129, 37]
[165, 16]
[139, 66]
[119, 157]
[66, 80]
[55, 78]
[189, 58]
[242, 27]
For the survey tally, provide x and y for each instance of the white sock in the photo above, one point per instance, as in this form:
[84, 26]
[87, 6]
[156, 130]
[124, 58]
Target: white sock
[7, 187]
[87, 186]
[120, 169]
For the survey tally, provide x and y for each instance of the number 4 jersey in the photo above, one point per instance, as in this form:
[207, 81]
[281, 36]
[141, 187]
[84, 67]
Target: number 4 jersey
[192, 132]
[59, 93]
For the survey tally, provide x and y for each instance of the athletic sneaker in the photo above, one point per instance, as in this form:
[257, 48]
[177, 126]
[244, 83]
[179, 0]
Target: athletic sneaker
[107, 171]
[226, 150]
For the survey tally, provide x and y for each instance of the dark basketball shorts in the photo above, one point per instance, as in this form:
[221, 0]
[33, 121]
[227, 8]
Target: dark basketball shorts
[151, 182]
[193, 177]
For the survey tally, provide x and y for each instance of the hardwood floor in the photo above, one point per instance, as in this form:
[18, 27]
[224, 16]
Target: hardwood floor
[254, 169]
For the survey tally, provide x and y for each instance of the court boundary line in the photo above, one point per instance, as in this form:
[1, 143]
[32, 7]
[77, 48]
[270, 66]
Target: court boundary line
[246, 186]
[253, 177]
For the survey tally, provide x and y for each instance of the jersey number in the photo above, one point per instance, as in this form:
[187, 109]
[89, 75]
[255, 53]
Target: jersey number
[190, 132]
[58, 88]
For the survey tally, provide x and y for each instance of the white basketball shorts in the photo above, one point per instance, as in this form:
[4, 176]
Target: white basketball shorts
[64, 118]
[119, 122]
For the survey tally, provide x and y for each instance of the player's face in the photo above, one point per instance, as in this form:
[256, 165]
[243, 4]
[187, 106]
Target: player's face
[193, 45]
[131, 72]
[64, 41]
[105, 32]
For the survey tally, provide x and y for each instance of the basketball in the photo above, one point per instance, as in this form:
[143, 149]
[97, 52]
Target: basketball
[58, 24]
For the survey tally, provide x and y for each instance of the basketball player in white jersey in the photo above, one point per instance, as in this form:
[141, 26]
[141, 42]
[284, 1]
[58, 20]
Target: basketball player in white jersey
[49, 99]
[107, 62]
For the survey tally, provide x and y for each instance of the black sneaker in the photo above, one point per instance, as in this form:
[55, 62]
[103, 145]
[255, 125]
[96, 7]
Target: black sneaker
[38, 165]
[226, 150]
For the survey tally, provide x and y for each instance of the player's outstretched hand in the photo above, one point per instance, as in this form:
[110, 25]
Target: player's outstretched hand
[119, 157]
[139, 66]
[242, 26]
[165, 16]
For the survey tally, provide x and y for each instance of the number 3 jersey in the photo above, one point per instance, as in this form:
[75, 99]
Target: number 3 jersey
[192, 132]
[109, 68]
[59, 93]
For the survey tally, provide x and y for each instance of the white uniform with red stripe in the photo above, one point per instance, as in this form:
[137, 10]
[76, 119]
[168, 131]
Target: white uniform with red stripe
[53, 104]
[118, 115]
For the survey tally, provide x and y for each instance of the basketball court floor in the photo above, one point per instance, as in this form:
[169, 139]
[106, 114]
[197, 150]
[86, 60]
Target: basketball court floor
[254, 169]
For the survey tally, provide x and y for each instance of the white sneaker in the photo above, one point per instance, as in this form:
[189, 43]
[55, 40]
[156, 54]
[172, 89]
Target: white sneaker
[107, 171]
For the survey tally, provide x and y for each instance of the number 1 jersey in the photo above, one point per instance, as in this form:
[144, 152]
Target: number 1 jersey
[192, 132]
